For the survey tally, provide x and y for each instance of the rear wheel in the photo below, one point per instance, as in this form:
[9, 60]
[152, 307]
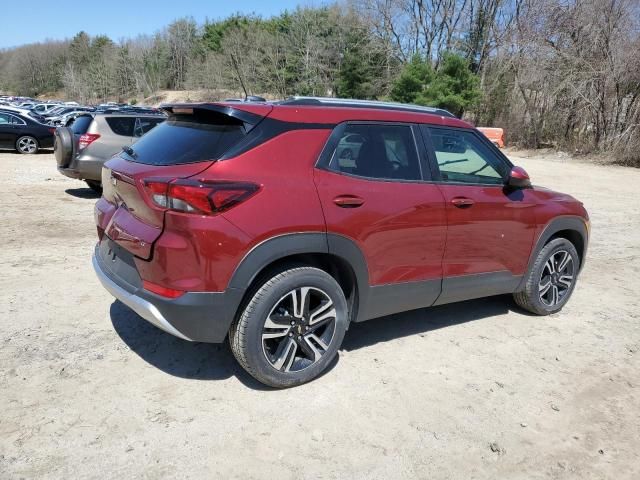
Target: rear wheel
[95, 186]
[551, 280]
[27, 144]
[291, 328]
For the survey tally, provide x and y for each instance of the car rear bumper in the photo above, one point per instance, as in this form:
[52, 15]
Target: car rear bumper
[194, 316]
[83, 167]
[146, 310]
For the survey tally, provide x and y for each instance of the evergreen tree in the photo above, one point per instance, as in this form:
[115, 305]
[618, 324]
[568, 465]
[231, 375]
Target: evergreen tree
[355, 76]
[452, 86]
[411, 83]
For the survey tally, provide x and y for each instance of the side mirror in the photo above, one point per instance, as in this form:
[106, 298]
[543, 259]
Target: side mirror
[518, 178]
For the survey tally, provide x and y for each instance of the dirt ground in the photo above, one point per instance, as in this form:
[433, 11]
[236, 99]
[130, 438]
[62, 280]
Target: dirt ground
[477, 390]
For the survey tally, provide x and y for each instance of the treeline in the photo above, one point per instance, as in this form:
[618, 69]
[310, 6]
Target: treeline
[563, 73]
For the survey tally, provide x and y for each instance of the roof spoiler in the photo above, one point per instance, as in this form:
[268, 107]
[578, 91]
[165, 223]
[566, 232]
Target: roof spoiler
[249, 115]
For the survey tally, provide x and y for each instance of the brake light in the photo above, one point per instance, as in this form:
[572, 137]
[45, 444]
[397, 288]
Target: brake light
[199, 197]
[160, 290]
[157, 191]
[52, 130]
[87, 139]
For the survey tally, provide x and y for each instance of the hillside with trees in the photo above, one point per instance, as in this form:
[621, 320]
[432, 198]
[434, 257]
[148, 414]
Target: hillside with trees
[561, 73]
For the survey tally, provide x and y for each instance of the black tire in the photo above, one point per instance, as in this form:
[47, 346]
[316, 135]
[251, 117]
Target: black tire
[28, 145]
[531, 298]
[95, 186]
[247, 334]
[63, 146]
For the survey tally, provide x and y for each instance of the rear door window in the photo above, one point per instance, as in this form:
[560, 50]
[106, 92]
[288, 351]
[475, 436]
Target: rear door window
[377, 151]
[16, 120]
[122, 125]
[187, 139]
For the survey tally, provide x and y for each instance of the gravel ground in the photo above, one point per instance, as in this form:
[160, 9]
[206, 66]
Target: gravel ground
[472, 390]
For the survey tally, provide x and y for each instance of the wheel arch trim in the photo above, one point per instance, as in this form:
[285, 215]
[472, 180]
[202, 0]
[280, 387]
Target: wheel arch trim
[279, 247]
[555, 225]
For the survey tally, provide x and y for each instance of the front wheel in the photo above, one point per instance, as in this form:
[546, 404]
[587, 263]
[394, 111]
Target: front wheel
[27, 144]
[551, 280]
[291, 328]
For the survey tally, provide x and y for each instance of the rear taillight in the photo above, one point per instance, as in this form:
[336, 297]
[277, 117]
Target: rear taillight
[52, 131]
[199, 197]
[87, 139]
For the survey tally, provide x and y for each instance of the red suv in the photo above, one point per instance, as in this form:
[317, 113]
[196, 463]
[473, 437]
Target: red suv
[278, 224]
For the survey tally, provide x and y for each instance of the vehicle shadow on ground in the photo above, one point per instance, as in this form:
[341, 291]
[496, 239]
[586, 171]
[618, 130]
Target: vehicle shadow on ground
[205, 361]
[82, 193]
[424, 320]
[197, 361]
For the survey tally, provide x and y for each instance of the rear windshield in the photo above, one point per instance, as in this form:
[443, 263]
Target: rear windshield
[182, 139]
[81, 124]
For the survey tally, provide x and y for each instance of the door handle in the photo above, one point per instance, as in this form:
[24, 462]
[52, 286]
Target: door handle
[348, 201]
[462, 202]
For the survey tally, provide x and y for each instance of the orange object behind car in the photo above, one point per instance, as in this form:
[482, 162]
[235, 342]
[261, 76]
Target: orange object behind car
[496, 135]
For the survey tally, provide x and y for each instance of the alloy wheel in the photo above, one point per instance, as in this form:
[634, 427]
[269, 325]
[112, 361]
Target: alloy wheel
[556, 278]
[299, 329]
[27, 145]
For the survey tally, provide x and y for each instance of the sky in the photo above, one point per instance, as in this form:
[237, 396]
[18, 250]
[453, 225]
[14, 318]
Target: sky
[38, 20]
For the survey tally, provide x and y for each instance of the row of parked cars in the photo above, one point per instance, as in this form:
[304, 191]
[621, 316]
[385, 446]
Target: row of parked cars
[83, 136]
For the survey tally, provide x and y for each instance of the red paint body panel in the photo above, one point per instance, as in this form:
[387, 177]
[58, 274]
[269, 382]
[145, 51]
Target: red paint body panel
[200, 253]
[552, 205]
[287, 201]
[195, 253]
[137, 223]
[400, 227]
[494, 234]
[132, 233]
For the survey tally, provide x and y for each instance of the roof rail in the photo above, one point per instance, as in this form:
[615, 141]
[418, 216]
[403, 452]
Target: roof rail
[350, 102]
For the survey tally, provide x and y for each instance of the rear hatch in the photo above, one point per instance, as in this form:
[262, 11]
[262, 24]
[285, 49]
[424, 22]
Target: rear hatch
[188, 142]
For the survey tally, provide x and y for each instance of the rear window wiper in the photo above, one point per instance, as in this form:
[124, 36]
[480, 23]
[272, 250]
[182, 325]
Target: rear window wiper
[129, 151]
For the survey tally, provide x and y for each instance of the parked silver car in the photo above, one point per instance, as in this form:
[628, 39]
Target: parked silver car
[82, 148]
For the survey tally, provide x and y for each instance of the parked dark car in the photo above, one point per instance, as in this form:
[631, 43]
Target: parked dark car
[23, 133]
[248, 221]
[62, 119]
[82, 148]
[57, 112]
